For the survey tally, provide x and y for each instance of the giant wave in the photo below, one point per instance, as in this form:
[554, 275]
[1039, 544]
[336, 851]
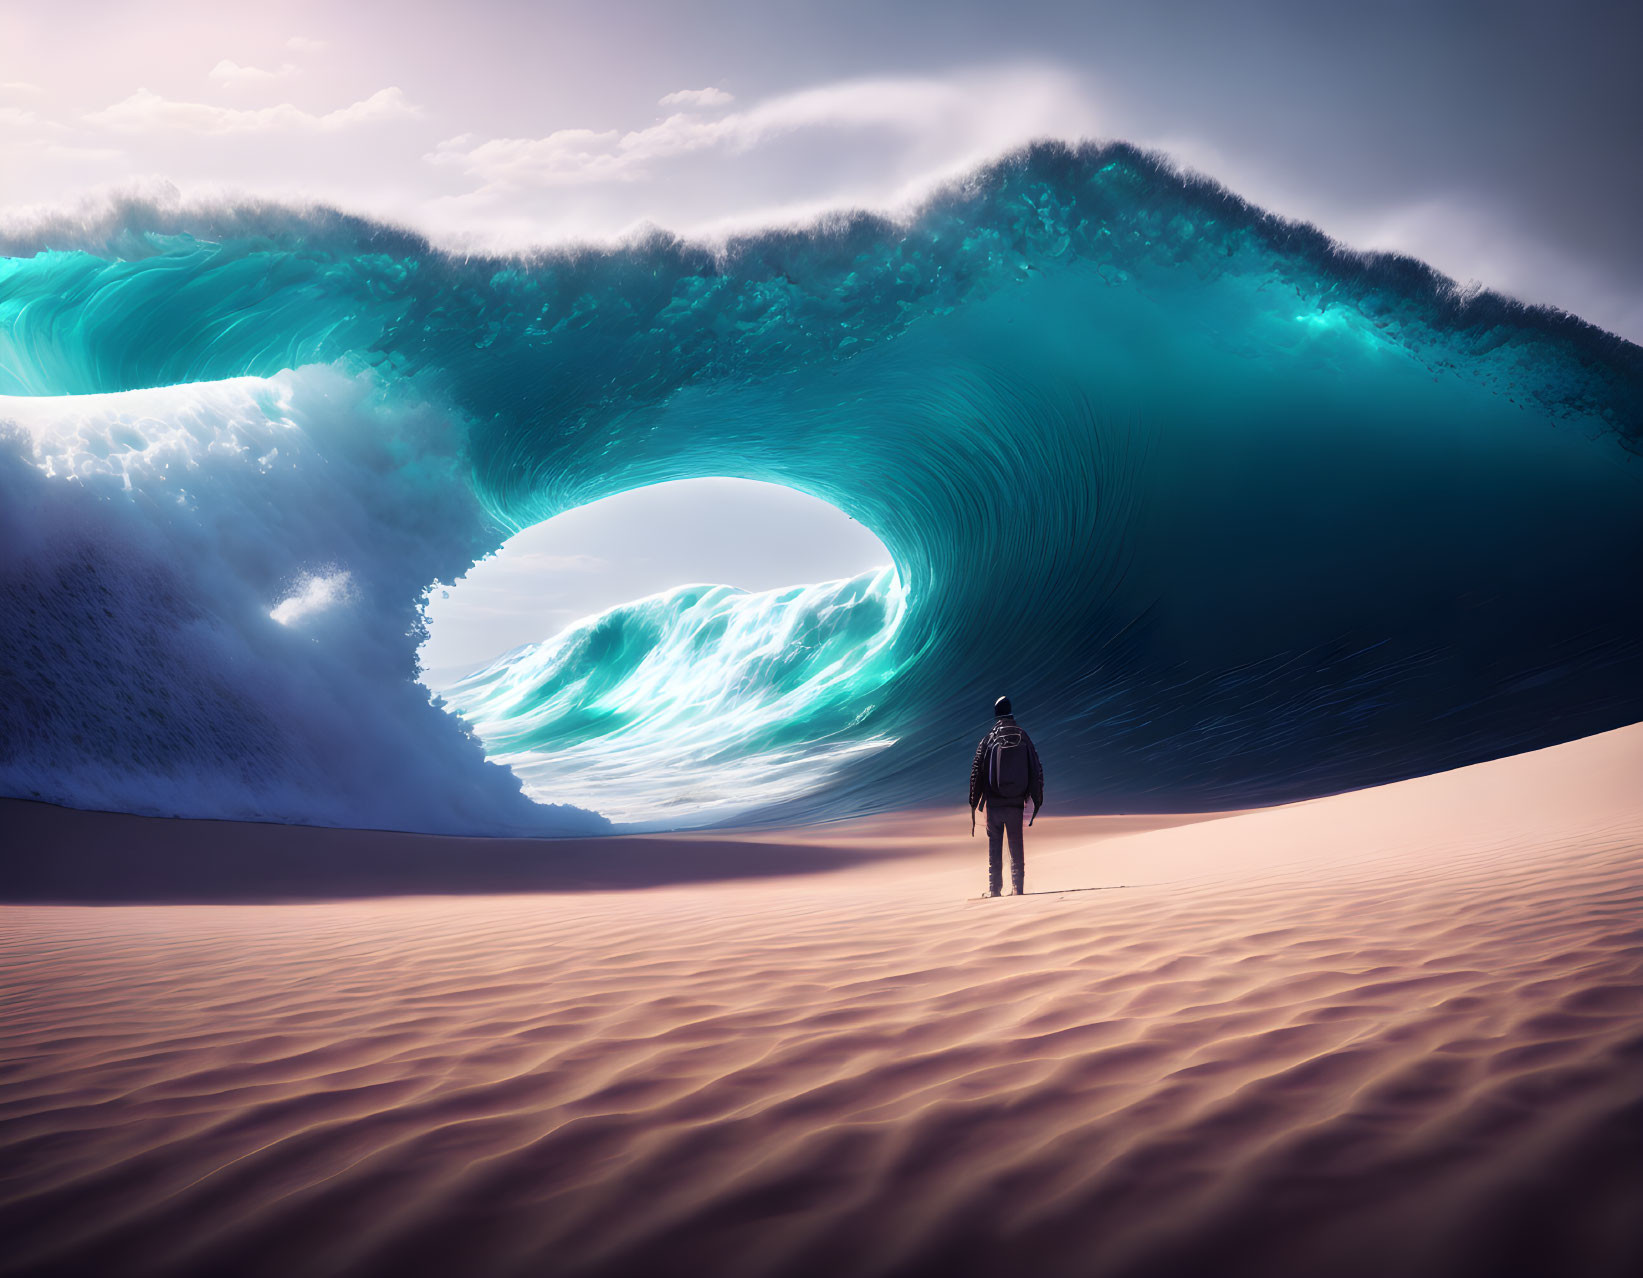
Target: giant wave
[1235, 515]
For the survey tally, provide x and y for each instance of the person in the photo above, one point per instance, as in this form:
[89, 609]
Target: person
[1005, 774]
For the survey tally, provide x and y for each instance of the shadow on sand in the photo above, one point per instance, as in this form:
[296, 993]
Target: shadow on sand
[63, 855]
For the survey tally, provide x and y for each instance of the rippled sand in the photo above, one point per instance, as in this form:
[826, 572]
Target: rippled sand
[1392, 1032]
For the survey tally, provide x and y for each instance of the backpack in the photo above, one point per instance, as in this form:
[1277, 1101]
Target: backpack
[1008, 772]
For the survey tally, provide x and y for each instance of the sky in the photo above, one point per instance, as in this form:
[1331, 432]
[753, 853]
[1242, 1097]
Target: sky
[1501, 141]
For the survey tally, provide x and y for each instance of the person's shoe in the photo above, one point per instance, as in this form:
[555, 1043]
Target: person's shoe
[991, 892]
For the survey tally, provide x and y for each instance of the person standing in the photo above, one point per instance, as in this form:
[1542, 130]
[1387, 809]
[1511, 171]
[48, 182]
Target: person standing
[1005, 774]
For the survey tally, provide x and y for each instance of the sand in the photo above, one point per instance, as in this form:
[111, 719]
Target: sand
[1398, 1031]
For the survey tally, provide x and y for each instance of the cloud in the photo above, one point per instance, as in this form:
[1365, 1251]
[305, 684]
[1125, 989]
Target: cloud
[19, 118]
[20, 88]
[26, 133]
[701, 98]
[568, 157]
[229, 72]
[573, 157]
[145, 112]
[49, 149]
[302, 44]
[67, 151]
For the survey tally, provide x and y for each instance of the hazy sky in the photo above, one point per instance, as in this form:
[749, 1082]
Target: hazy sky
[1502, 141]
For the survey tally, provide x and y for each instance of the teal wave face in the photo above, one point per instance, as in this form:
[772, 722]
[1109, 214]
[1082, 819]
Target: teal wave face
[1232, 514]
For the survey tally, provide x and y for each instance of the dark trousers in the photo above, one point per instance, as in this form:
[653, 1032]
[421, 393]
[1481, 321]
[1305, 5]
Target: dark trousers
[1002, 820]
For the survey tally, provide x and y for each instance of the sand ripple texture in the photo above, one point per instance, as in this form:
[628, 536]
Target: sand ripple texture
[1393, 1032]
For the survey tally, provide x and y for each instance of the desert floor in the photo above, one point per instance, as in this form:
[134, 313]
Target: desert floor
[1398, 1031]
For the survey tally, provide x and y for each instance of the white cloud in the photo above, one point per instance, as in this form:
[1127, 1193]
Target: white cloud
[144, 112]
[21, 88]
[50, 150]
[700, 98]
[19, 118]
[27, 134]
[568, 157]
[1010, 111]
[229, 72]
[302, 44]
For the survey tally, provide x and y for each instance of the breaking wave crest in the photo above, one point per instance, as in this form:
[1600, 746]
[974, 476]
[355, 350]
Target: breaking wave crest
[694, 705]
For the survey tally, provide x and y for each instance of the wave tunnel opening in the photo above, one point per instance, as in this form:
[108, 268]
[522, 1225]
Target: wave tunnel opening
[675, 655]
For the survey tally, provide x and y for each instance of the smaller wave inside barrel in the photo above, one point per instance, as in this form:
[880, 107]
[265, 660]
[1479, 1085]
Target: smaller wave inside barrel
[696, 704]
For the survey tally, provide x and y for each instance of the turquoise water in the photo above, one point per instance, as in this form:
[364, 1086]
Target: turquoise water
[696, 705]
[1234, 515]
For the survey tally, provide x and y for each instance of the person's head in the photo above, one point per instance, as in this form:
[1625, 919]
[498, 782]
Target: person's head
[1001, 706]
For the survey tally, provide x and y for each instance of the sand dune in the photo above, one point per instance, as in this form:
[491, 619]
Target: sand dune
[1392, 1032]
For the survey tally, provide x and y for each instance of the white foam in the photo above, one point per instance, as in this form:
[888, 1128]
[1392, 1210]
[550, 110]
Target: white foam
[315, 594]
[210, 603]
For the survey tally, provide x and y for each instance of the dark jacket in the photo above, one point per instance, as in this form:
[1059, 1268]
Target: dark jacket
[978, 771]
